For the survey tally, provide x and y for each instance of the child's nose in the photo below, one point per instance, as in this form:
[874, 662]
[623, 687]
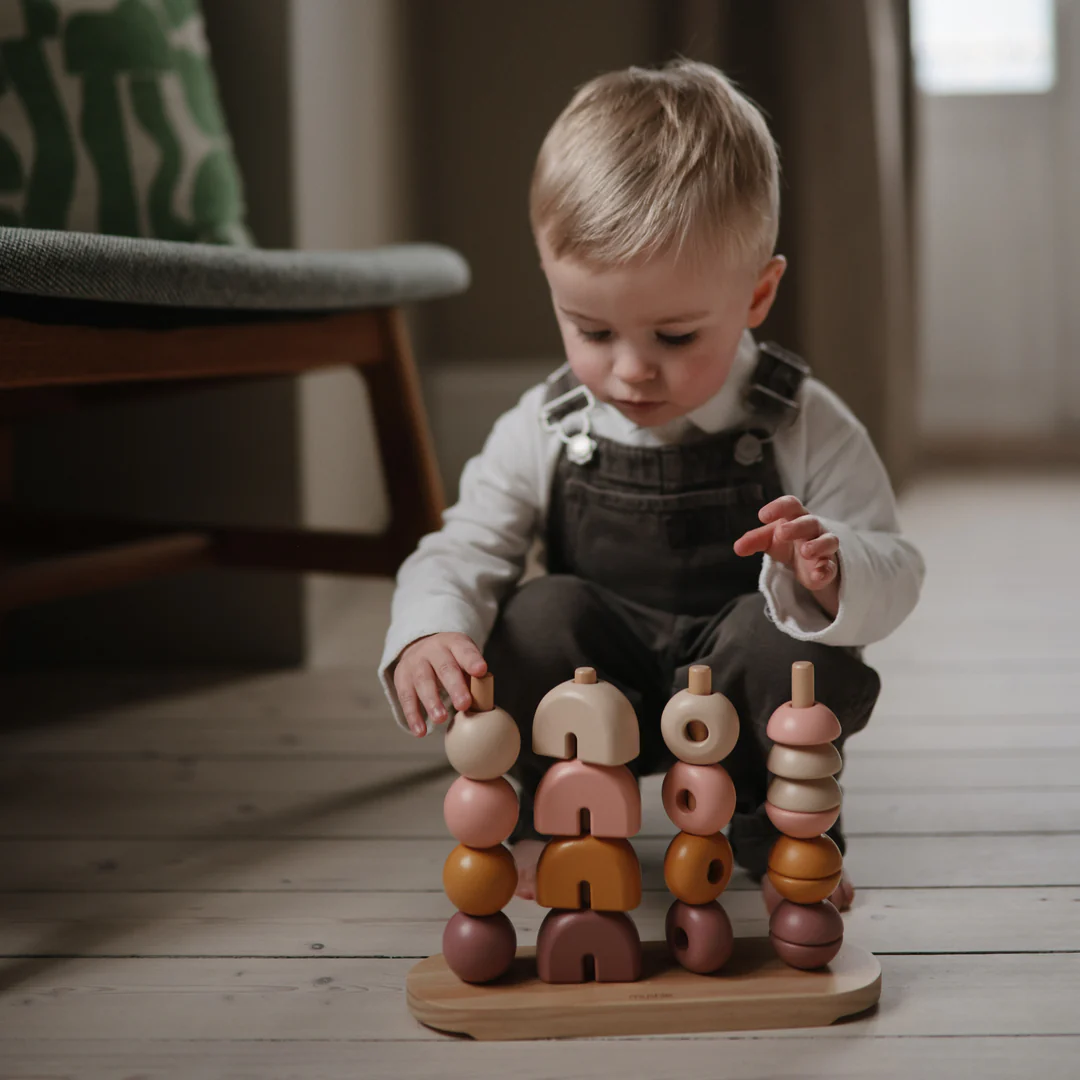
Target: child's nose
[631, 367]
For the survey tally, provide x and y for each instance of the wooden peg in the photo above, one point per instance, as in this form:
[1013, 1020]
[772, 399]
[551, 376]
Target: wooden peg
[802, 684]
[482, 688]
[700, 679]
[584, 675]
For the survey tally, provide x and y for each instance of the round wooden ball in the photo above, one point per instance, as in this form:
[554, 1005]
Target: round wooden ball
[479, 881]
[479, 949]
[699, 799]
[697, 869]
[480, 813]
[699, 936]
[482, 745]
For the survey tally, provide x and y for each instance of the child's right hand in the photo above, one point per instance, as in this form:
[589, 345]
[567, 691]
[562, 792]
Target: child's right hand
[439, 658]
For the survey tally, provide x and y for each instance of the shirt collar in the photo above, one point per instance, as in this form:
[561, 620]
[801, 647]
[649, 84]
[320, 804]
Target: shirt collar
[726, 408]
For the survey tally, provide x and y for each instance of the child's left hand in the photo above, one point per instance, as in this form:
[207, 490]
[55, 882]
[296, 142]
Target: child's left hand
[797, 539]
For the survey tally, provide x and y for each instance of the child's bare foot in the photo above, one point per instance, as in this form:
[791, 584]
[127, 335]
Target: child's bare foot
[841, 897]
[526, 856]
[843, 894]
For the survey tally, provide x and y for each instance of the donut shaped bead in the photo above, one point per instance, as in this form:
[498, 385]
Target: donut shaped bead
[700, 727]
[805, 796]
[479, 949]
[802, 825]
[479, 881]
[699, 799]
[699, 936]
[480, 813]
[697, 869]
[804, 762]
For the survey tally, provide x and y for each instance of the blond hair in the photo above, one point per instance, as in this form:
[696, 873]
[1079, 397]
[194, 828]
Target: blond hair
[643, 162]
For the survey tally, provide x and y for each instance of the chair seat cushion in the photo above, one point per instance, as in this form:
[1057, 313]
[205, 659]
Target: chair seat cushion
[88, 266]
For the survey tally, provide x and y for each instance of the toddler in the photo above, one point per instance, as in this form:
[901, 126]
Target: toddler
[699, 497]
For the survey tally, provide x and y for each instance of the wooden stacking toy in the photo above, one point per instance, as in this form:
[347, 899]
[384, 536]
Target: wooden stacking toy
[699, 977]
[700, 727]
[481, 810]
[803, 802]
[589, 874]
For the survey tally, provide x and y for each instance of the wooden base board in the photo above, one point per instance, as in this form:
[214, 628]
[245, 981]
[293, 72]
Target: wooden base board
[755, 990]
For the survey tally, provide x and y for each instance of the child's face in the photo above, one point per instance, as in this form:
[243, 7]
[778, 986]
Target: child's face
[656, 338]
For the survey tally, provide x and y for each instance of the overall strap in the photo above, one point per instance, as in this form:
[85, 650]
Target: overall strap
[773, 390]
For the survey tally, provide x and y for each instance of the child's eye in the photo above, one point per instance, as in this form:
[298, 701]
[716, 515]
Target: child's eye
[594, 335]
[677, 339]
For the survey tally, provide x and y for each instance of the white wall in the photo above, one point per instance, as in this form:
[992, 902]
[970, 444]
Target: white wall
[999, 254]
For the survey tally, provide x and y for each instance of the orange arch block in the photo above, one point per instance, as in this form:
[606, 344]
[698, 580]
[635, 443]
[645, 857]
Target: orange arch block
[608, 867]
[609, 792]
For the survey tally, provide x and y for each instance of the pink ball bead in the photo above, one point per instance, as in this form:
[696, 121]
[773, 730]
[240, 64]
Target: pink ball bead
[699, 799]
[480, 813]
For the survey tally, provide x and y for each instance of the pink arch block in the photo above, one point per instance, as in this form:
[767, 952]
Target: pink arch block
[609, 792]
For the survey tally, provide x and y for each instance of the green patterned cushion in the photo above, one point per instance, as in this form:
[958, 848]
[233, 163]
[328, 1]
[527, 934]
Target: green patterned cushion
[110, 122]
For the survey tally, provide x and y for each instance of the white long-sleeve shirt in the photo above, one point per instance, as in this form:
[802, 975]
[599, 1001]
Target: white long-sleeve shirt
[458, 576]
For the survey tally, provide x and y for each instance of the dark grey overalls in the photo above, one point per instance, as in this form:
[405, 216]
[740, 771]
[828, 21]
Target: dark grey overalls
[643, 582]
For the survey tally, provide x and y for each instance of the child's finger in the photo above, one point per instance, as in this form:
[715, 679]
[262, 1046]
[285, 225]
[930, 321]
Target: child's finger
[755, 540]
[410, 706]
[469, 657]
[806, 527]
[451, 677]
[428, 691]
[823, 572]
[820, 548]
[785, 508]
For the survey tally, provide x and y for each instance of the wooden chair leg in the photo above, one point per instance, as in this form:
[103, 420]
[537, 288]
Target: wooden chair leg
[413, 482]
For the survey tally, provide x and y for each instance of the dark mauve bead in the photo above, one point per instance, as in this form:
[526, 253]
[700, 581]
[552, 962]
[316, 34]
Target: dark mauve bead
[566, 938]
[805, 957]
[806, 924]
[699, 936]
[480, 948]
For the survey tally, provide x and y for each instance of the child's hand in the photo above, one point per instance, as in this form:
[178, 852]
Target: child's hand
[797, 539]
[440, 658]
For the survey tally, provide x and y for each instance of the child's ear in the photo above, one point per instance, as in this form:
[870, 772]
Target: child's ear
[765, 291]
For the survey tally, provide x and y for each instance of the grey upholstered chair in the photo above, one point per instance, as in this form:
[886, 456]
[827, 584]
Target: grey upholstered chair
[80, 312]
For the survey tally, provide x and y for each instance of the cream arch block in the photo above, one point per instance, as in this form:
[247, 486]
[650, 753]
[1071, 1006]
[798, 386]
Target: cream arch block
[593, 718]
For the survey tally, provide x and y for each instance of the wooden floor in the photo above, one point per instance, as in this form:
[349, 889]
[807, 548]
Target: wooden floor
[211, 876]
